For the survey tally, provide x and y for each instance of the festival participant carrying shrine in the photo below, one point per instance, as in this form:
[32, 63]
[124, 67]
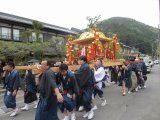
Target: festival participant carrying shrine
[30, 90]
[12, 82]
[100, 76]
[49, 94]
[85, 79]
[68, 87]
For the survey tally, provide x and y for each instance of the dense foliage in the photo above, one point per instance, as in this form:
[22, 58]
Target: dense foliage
[131, 33]
[21, 52]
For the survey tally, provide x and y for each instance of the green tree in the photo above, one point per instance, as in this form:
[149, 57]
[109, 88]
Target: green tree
[20, 52]
[56, 47]
[130, 32]
[37, 30]
[26, 34]
[14, 51]
[37, 27]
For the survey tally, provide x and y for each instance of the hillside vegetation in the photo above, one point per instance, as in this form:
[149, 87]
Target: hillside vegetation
[131, 33]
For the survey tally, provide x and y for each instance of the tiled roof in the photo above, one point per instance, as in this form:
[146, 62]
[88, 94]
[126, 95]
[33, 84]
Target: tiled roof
[15, 18]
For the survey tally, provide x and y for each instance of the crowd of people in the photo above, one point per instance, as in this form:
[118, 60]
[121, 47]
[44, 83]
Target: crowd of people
[71, 91]
[132, 75]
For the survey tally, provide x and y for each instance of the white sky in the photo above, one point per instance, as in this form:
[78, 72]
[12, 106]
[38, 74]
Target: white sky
[73, 13]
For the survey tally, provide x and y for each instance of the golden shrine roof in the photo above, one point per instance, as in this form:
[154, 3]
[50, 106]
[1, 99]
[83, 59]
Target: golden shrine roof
[88, 37]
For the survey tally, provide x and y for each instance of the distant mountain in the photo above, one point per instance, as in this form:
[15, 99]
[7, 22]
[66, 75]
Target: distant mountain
[131, 32]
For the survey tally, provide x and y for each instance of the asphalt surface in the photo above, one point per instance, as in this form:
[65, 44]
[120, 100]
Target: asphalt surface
[141, 105]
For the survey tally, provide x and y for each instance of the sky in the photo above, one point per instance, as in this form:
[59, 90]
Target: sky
[73, 13]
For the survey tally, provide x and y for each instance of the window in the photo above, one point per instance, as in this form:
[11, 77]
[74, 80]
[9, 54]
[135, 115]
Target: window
[41, 37]
[16, 34]
[6, 33]
[33, 37]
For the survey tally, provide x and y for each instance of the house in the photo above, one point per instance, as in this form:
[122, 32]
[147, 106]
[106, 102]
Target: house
[11, 27]
[129, 50]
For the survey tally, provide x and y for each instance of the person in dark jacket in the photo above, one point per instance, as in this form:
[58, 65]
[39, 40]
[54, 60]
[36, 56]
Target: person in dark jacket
[142, 73]
[49, 94]
[12, 82]
[127, 76]
[114, 74]
[5, 72]
[30, 90]
[66, 81]
[85, 79]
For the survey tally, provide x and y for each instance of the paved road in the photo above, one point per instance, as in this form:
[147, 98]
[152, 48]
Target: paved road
[143, 105]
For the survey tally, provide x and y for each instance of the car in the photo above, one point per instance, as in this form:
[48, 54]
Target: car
[156, 62]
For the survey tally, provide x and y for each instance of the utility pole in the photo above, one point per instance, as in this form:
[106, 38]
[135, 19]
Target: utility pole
[152, 51]
[158, 41]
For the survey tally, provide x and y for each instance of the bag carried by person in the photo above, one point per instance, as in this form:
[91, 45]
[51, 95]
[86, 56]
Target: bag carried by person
[9, 100]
